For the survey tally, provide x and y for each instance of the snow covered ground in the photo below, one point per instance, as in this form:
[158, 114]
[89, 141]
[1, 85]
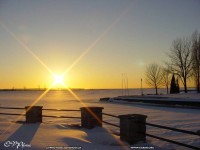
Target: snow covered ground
[66, 132]
[63, 136]
[177, 97]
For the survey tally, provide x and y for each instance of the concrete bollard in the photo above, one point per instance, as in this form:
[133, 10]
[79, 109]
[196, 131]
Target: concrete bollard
[91, 117]
[33, 114]
[131, 127]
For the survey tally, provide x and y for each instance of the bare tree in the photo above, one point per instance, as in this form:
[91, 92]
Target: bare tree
[166, 78]
[153, 76]
[196, 58]
[181, 62]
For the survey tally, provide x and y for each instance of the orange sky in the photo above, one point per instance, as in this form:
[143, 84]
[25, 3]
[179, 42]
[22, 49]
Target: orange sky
[94, 42]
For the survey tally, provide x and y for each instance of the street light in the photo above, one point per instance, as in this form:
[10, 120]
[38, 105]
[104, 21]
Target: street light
[141, 87]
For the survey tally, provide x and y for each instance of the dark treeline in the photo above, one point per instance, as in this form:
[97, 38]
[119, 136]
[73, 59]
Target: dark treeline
[183, 64]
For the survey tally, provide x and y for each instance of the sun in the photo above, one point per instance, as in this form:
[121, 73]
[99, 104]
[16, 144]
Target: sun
[58, 79]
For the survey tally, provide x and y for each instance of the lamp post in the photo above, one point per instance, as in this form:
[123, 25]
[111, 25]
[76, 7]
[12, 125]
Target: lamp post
[141, 87]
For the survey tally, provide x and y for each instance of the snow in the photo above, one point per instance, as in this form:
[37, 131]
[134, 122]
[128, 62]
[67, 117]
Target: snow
[67, 132]
[192, 97]
[41, 136]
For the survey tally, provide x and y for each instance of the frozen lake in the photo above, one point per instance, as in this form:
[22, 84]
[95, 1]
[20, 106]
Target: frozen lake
[181, 118]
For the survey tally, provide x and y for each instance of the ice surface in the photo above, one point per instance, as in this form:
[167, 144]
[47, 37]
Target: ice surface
[60, 132]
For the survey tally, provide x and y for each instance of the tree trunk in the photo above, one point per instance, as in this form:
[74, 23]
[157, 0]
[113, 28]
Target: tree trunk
[197, 84]
[185, 85]
[167, 89]
[198, 89]
[156, 90]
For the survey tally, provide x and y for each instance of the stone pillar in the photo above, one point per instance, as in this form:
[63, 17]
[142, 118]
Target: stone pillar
[33, 114]
[131, 127]
[91, 117]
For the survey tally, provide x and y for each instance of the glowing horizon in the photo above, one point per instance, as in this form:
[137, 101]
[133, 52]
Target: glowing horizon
[93, 43]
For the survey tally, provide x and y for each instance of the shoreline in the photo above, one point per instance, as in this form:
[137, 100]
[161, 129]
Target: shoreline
[157, 100]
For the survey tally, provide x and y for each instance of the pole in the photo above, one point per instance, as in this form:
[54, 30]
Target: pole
[122, 85]
[141, 87]
[127, 84]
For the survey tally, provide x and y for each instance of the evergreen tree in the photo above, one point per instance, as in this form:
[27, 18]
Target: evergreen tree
[173, 85]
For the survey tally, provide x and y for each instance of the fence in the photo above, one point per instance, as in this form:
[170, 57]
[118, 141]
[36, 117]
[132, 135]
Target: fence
[135, 129]
[171, 141]
[132, 126]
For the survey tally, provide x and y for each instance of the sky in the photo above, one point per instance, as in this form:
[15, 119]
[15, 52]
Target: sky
[93, 41]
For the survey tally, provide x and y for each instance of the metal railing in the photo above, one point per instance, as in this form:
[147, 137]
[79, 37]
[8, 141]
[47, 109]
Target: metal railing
[118, 126]
[173, 129]
[163, 127]
[51, 116]
[172, 141]
[114, 116]
[11, 114]
[61, 109]
[11, 108]
[14, 114]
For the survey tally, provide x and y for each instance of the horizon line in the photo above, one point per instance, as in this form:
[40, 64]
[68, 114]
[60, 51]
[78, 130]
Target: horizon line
[57, 89]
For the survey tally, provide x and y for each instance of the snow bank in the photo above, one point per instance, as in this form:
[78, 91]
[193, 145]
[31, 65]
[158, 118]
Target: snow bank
[63, 136]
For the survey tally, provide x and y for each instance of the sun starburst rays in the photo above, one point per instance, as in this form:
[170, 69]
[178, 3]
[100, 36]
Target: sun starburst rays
[59, 79]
